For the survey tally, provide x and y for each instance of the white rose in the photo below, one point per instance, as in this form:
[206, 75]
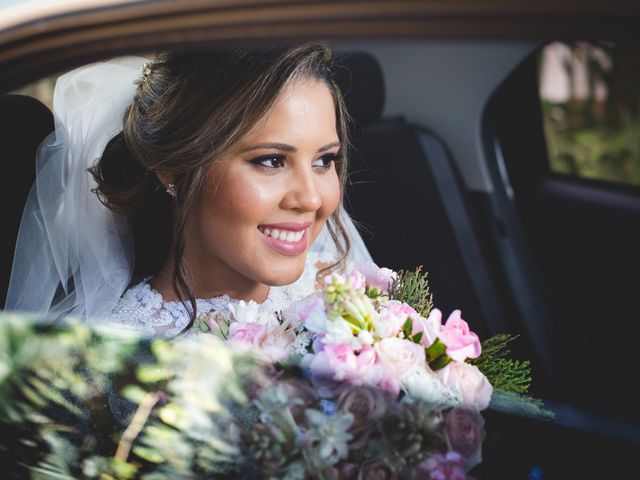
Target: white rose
[422, 384]
[398, 355]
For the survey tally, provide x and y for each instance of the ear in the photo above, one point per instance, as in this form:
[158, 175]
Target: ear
[164, 177]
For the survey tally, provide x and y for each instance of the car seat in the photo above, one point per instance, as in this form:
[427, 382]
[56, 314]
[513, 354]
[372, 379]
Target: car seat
[24, 123]
[406, 195]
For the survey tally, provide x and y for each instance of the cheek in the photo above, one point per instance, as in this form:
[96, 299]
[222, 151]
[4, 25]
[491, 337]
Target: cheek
[238, 201]
[330, 194]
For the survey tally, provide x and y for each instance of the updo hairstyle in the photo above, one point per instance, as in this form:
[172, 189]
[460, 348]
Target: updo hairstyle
[189, 109]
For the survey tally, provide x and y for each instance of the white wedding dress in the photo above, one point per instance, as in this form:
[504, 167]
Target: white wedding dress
[142, 308]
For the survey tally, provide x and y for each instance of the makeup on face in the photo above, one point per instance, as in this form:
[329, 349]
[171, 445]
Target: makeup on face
[258, 215]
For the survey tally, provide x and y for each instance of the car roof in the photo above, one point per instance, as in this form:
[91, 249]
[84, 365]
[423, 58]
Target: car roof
[47, 36]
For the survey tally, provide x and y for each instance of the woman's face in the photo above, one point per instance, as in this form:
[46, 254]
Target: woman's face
[265, 201]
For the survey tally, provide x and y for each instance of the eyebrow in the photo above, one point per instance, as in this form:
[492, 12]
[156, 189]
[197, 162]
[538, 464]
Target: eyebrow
[286, 148]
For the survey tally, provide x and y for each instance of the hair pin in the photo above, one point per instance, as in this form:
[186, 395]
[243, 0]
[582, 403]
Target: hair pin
[146, 71]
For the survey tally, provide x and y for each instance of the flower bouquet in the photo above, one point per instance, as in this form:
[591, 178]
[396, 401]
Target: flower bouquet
[359, 380]
[367, 382]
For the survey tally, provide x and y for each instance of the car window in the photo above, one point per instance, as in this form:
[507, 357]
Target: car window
[590, 96]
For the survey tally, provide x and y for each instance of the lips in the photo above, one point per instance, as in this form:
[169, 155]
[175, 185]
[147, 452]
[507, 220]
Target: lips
[286, 238]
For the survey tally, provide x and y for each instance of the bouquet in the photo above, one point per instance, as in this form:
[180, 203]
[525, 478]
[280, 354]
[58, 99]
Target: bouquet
[360, 380]
[366, 381]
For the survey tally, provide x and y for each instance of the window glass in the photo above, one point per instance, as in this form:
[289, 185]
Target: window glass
[590, 94]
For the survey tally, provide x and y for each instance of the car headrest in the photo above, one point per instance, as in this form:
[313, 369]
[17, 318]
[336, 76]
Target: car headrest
[24, 123]
[360, 80]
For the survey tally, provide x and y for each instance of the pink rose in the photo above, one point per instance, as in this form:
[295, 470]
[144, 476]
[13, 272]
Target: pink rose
[245, 332]
[274, 343]
[309, 311]
[391, 385]
[271, 343]
[460, 341]
[358, 281]
[370, 371]
[473, 387]
[393, 318]
[464, 428]
[379, 278]
[335, 362]
[397, 356]
[430, 327]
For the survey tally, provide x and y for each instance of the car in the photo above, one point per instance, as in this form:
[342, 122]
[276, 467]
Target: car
[457, 165]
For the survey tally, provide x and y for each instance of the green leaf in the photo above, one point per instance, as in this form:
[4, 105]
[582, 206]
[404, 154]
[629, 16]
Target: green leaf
[153, 373]
[440, 362]
[149, 454]
[407, 328]
[134, 393]
[123, 470]
[435, 350]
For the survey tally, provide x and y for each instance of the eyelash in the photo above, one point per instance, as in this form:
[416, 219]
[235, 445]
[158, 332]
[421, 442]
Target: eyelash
[280, 159]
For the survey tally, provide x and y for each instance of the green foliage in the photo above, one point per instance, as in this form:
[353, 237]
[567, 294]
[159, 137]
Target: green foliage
[413, 289]
[503, 373]
[596, 134]
[518, 404]
[77, 402]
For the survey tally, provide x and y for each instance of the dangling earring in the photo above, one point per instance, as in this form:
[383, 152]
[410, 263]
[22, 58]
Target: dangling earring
[171, 190]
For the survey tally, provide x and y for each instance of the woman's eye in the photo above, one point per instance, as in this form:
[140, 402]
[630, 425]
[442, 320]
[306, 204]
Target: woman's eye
[269, 161]
[325, 161]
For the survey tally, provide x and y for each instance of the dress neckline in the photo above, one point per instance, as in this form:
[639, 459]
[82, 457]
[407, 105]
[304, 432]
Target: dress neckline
[224, 298]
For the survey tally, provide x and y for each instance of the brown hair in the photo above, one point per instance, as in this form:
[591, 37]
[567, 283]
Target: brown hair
[189, 109]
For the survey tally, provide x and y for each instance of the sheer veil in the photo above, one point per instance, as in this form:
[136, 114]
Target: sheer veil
[74, 257]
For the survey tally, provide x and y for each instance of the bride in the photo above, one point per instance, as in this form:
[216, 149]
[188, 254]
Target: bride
[174, 187]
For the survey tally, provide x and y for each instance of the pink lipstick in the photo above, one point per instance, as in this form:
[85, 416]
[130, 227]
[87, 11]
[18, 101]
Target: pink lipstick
[287, 238]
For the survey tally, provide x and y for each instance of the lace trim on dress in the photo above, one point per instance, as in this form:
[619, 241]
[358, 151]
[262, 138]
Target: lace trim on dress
[143, 308]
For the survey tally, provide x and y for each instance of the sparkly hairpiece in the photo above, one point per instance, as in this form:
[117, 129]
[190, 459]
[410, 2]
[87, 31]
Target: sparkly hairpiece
[146, 71]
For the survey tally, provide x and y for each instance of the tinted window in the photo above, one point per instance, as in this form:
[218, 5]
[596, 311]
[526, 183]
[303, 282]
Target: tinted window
[590, 94]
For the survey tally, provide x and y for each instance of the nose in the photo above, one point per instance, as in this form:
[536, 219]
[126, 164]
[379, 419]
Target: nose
[302, 191]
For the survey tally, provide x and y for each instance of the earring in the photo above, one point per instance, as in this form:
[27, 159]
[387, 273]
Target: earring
[171, 190]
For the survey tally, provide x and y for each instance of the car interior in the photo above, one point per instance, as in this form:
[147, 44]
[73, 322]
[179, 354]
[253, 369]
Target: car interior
[449, 169]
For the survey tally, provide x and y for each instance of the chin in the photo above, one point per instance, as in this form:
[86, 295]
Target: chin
[283, 276]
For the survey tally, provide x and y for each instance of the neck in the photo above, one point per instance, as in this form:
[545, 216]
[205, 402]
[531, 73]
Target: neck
[207, 281]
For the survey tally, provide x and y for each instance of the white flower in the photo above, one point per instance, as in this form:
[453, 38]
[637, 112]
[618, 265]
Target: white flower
[337, 331]
[301, 343]
[365, 337]
[250, 312]
[329, 435]
[422, 384]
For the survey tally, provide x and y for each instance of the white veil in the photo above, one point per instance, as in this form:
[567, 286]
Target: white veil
[74, 256]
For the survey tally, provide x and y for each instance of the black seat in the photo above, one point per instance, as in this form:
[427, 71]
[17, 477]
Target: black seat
[404, 191]
[24, 123]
